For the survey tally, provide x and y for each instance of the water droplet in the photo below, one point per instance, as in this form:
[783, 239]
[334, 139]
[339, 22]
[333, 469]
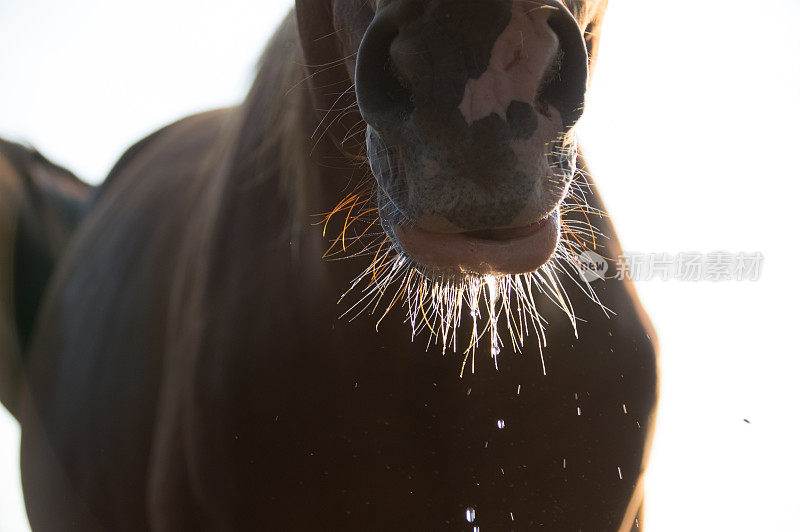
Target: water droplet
[470, 515]
[501, 424]
[495, 351]
[491, 283]
[473, 313]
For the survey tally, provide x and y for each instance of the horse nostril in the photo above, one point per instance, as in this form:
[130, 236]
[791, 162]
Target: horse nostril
[384, 97]
[564, 85]
[475, 57]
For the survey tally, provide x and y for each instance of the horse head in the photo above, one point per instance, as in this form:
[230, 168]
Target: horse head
[468, 109]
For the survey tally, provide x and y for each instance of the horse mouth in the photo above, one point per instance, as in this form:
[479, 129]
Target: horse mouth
[504, 251]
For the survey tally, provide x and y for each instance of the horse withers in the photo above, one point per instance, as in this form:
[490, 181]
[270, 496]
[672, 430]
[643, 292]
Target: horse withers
[188, 367]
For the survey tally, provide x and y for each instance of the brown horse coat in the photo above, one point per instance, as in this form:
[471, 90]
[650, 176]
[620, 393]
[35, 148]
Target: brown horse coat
[40, 204]
[188, 370]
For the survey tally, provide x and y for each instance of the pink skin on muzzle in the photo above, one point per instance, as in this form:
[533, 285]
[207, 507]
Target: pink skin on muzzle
[520, 58]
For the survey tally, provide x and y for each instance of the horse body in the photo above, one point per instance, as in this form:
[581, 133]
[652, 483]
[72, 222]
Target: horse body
[79, 393]
[40, 204]
[189, 372]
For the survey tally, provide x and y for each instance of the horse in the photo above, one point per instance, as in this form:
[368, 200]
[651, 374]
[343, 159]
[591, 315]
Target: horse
[40, 205]
[349, 302]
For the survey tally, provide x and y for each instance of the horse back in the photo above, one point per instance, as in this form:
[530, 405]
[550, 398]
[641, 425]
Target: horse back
[93, 379]
[41, 204]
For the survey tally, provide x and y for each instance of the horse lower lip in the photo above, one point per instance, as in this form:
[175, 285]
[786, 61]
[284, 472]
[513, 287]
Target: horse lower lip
[496, 252]
[506, 234]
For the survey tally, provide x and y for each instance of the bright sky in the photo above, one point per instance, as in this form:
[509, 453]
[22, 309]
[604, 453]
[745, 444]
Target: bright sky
[689, 129]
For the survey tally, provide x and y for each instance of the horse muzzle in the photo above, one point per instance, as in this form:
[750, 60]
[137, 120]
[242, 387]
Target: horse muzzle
[470, 107]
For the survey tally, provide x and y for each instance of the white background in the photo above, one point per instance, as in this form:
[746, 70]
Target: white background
[691, 131]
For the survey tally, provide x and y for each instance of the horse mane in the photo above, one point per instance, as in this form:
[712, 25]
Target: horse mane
[276, 124]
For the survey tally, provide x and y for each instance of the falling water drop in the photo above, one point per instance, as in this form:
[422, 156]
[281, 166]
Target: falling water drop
[493, 288]
[470, 515]
[501, 424]
[492, 285]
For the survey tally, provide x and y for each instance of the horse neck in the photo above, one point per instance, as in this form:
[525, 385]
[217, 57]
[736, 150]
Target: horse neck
[281, 170]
